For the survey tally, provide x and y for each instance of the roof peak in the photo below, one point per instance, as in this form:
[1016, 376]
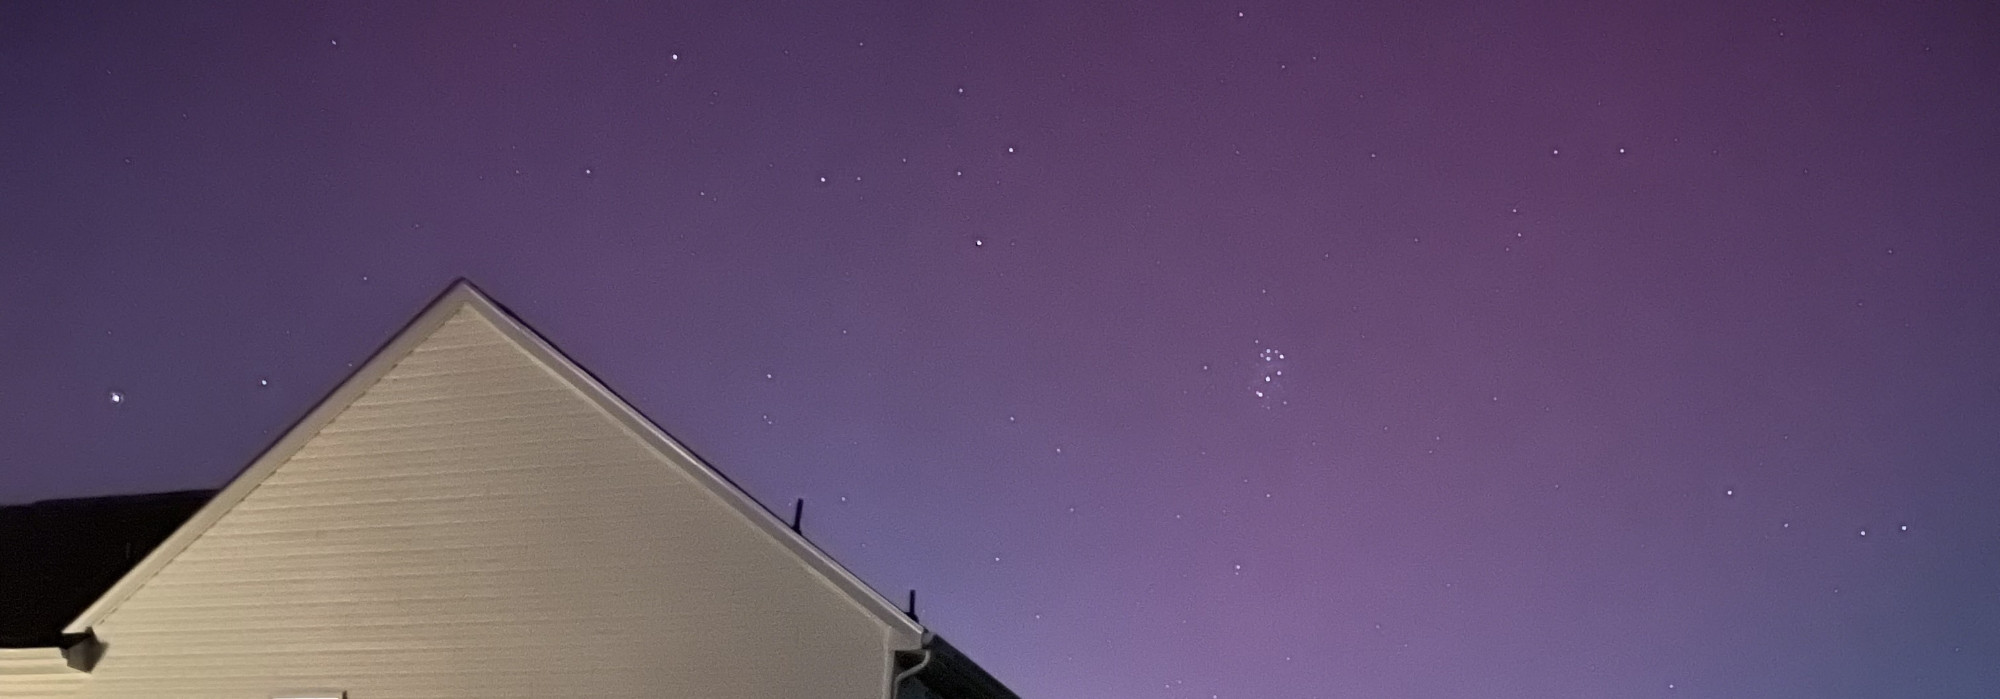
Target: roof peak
[459, 295]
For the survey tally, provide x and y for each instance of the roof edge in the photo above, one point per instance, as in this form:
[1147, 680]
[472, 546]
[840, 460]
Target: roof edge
[385, 357]
[735, 496]
[950, 671]
[461, 294]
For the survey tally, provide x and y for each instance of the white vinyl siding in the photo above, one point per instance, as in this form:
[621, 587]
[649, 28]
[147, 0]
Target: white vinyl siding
[474, 525]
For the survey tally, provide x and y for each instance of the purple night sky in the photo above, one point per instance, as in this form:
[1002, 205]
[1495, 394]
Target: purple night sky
[1175, 350]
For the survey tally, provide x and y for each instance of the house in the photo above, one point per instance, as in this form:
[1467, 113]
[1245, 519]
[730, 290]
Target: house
[469, 515]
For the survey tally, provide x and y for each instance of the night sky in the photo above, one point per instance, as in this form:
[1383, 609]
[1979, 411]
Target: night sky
[1177, 350]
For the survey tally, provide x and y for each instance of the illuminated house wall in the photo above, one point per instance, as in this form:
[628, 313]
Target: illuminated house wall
[472, 515]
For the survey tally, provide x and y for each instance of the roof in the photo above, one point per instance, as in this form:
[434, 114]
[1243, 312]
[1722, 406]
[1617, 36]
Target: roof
[951, 675]
[463, 295]
[69, 563]
[58, 556]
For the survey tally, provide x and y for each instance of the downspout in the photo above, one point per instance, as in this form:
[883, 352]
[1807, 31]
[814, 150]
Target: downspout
[896, 685]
